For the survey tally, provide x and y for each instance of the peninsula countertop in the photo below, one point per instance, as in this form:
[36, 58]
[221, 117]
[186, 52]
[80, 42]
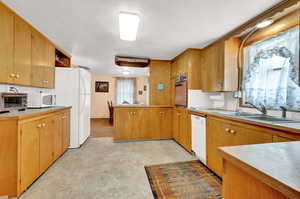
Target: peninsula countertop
[143, 106]
[31, 112]
[275, 164]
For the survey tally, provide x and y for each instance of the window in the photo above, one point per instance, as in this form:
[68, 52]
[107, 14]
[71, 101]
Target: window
[125, 91]
[271, 71]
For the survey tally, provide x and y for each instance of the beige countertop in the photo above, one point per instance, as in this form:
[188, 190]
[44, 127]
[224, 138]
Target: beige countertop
[276, 164]
[31, 112]
[282, 126]
[142, 106]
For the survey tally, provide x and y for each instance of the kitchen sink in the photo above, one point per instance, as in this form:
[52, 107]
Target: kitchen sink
[239, 114]
[270, 118]
[259, 117]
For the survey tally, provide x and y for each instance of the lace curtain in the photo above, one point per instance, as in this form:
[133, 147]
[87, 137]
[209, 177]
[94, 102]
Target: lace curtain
[271, 71]
[125, 91]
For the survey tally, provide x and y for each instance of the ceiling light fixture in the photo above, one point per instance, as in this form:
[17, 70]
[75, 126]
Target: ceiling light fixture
[129, 23]
[126, 72]
[264, 23]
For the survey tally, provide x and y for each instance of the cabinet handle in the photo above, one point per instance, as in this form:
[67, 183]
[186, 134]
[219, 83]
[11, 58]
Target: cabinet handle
[39, 125]
[134, 113]
[232, 131]
[64, 117]
[227, 130]
[45, 82]
[12, 75]
[43, 125]
[17, 76]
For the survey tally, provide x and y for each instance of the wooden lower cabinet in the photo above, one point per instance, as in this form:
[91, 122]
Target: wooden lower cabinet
[224, 133]
[237, 184]
[33, 144]
[142, 123]
[65, 128]
[48, 131]
[181, 130]
[30, 154]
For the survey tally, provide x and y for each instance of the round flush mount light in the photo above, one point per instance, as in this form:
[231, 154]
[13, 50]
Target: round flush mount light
[264, 23]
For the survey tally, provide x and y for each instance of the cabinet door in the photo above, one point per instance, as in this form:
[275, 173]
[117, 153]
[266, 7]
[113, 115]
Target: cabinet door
[277, 138]
[47, 77]
[29, 153]
[185, 133]
[176, 125]
[22, 52]
[58, 136]
[65, 130]
[46, 143]
[123, 124]
[38, 49]
[220, 133]
[37, 75]
[6, 45]
[212, 67]
[160, 123]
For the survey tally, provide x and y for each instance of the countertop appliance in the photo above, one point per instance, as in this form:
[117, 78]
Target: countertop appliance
[41, 100]
[73, 88]
[199, 137]
[13, 101]
[181, 89]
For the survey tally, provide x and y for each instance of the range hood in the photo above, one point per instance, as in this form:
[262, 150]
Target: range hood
[132, 61]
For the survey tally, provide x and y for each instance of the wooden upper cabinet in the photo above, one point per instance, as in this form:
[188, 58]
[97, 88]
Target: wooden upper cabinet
[160, 72]
[38, 49]
[43, 61]
[6, 44]
[29, 153]
[22, 52]
[188, 64]
[219, 66]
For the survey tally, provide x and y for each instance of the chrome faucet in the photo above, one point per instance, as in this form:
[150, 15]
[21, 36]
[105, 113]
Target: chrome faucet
[262, 108]
[283, 109]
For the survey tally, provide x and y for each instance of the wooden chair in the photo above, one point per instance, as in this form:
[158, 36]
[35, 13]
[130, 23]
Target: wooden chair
[111, 112]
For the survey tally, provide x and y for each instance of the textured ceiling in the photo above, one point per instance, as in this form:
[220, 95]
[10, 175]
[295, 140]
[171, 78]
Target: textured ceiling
[88, 29]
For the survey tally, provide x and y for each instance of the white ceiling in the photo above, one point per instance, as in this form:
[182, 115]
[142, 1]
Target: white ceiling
[88, 29]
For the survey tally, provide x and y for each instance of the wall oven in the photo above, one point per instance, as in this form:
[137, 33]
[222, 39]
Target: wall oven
[181, 89]
[13, 101]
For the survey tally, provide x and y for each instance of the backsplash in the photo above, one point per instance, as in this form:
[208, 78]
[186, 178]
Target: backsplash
[225, 100]
[25, 89]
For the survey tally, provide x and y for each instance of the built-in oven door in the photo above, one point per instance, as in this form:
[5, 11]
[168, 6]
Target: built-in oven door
[181, 94]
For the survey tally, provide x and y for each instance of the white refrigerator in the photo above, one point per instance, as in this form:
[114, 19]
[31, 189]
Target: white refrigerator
[73, 88]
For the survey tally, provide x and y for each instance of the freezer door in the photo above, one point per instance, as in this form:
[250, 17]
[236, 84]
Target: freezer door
[84, 117]
[85, 81]
[67, 94]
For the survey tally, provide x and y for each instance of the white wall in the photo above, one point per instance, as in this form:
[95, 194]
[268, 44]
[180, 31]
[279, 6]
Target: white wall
[24, 89]
[224, 100]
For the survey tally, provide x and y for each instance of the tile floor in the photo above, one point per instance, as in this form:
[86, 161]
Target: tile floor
[102, 169]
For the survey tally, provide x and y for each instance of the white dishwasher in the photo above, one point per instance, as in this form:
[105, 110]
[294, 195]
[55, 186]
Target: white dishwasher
[199, 137]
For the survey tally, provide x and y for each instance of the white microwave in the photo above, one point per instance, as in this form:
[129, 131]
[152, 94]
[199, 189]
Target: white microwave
[41, 100]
